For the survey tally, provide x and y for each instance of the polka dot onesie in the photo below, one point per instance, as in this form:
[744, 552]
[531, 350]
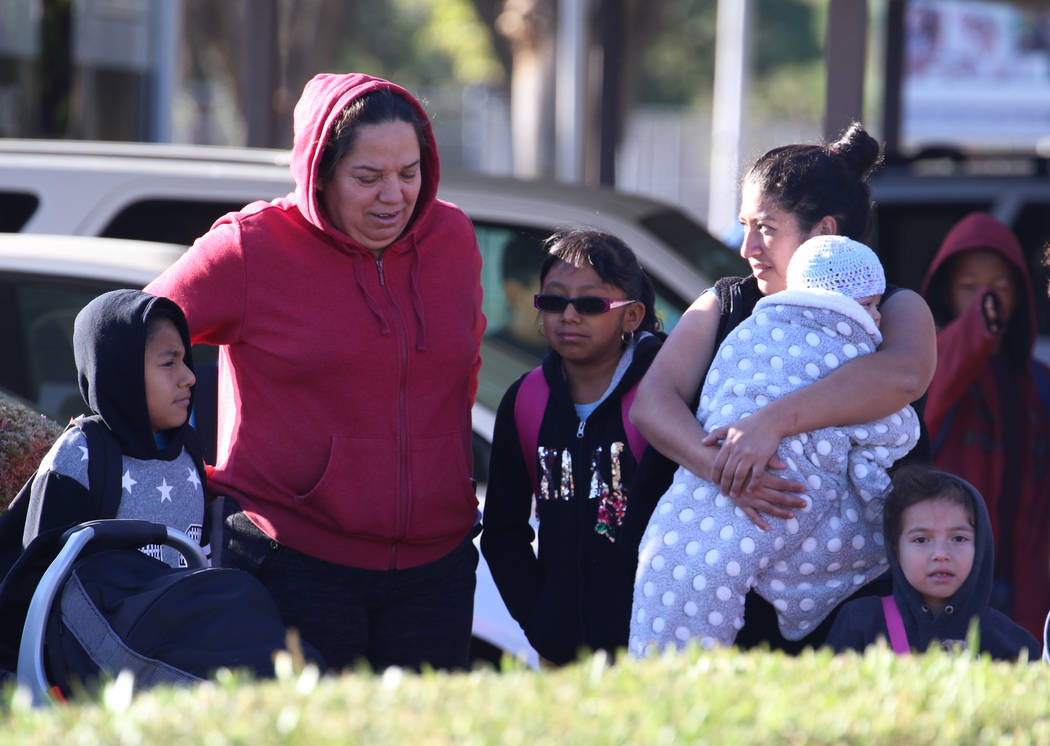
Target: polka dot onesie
[701, 554]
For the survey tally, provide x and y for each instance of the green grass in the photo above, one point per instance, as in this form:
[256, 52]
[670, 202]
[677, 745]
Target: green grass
[721, 697]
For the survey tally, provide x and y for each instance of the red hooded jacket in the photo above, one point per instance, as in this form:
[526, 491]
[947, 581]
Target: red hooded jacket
[345, 382]
[992, 428]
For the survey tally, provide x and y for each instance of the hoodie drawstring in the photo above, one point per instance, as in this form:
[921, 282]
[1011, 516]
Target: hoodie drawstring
[417, 301]
[373, 305]
[377, 311]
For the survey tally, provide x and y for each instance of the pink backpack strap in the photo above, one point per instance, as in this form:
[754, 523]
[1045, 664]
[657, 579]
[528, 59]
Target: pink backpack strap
[529, 406]
[635, 440]
[895, 625]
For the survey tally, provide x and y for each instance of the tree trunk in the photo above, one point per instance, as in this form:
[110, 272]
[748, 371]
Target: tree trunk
[528, 25]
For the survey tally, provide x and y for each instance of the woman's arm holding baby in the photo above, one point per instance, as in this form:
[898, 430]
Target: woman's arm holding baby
[864, 389]
[662, 412]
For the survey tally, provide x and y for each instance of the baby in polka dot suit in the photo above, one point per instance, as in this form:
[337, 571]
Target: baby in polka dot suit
[700, 553]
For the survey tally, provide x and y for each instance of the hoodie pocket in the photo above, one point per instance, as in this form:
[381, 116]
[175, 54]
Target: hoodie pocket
[358, 491]
[442, 498]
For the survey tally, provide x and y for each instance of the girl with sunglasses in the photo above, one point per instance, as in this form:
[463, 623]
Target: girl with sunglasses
[562, 435]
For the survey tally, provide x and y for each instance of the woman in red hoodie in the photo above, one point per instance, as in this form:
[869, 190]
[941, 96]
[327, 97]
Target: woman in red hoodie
[988, 407]
[348, 319]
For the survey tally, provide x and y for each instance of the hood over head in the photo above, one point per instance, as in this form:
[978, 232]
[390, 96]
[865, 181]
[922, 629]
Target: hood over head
[323, 99]
[973, 595]
[979, 230]
[109, 346]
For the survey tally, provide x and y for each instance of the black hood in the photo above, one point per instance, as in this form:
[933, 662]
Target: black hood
[969, 601]
[109, 345]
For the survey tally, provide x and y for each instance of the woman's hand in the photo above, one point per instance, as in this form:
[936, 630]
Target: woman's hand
[747, 446]
[770, 494]
[747, 452]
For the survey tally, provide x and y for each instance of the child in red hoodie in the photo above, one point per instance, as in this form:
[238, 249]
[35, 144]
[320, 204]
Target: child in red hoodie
[988, 407]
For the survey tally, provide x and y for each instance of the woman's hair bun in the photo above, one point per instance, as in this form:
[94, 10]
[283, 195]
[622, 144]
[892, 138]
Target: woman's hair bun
[860, 151]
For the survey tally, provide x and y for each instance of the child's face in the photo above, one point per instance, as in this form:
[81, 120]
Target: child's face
[586, 338]
[870, 303]
[936, 549]
[168, 378]
[972, 272]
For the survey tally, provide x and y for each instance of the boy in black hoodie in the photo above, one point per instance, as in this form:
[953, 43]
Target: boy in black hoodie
[941, 556]
[135, 372]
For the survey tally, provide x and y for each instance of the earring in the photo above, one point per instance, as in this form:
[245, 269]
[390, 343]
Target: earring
[627, 338]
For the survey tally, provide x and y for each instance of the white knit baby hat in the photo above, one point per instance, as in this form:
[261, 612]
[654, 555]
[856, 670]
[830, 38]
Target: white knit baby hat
[839, 264]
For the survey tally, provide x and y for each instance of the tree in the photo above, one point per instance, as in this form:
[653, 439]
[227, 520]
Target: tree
[523, 32]
[265, 56]
[529, 27]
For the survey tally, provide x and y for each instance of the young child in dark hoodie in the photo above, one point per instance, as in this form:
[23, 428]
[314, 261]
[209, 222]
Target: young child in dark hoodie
[596, 310]
[988, 407]
[135, 372]
[940, 551]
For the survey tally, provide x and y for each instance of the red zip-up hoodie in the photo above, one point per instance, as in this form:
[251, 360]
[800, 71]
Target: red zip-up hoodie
[989, 427]
[345, 382]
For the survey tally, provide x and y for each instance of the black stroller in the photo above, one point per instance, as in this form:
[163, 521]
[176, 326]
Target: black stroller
[102, 607]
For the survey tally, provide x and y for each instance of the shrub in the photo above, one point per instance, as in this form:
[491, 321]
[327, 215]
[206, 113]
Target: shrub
[25, 436]
[718, 697]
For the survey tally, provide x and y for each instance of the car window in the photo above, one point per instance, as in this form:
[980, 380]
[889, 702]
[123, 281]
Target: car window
[38, 325]
[38, 314]
[694, 244]
[511, 257]
[15, 210]
[170, 220]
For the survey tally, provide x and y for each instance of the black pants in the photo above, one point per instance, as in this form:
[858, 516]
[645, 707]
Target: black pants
[421, 615]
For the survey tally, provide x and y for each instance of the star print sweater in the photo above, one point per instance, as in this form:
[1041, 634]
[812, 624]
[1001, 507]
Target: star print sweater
[345, 381]
[577, 592]
[156, 490]
[159, 483]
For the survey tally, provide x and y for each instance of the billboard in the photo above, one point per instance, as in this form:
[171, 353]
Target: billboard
[976, 75]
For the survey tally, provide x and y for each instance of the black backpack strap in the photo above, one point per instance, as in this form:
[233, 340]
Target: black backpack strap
[105, 466]
[212, 506]
[192, 443]
[12, 528]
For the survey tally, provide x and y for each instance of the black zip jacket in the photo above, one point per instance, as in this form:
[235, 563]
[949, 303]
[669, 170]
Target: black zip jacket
[861, 622]
[577, 593]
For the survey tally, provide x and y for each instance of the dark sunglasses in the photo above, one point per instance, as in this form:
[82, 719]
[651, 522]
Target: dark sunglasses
[588, 305]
